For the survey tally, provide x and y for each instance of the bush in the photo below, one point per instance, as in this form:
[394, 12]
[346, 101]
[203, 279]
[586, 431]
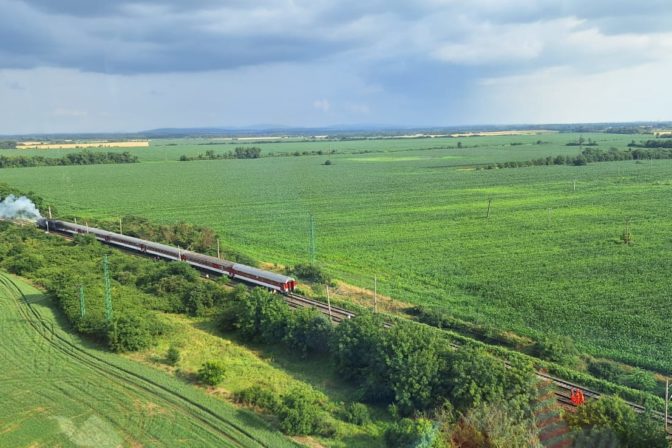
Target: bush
[173, 355]
[129, 333]
[477, 377]
[310, 272]
[357, 413]
[212, 372]
[558, 349]
[634, 431]
[259, 397]
[491, 425]
[299, 413]
[407, 433]
[639, 379]
[308, 331]
[608, 370]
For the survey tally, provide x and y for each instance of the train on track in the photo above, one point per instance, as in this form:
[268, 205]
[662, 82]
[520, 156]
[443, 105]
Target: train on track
[271, 280]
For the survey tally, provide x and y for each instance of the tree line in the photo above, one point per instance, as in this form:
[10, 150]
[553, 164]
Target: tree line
[240, 152]
[439, 396]
[590, 155]
[666, 142]
[78, 158]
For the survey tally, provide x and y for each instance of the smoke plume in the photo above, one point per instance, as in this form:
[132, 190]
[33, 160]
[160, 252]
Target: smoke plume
[19, 208]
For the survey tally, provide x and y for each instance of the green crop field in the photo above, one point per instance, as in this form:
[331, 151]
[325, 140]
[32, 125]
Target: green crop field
[56, 391]
[413, 214]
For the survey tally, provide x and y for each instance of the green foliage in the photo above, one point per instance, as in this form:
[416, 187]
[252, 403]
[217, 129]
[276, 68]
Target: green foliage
[262, 316]
[299, 413]
[240, 152]
[633, 430]
[409, 361]
[80, 158]
[357, 413]
[492, 425]
[413, 433]
[260, 397]
[476, 377]
[130, 333]
[560, 349]
[212, 372]
[355, 340]
[590, 155]
[308, 331]
[310, 272]
[173, 355]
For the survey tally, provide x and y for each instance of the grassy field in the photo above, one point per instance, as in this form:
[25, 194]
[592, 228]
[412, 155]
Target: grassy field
[526, 146]
[270, 367]
[57, 391]
[413, 213]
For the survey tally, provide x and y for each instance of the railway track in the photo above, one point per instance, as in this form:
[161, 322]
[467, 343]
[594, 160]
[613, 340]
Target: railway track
[564, 388]
[337, 315]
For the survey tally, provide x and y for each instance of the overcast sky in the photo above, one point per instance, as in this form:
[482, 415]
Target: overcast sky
[86, 65]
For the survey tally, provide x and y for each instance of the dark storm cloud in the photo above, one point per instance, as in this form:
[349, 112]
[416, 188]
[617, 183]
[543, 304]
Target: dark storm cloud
[154, 36]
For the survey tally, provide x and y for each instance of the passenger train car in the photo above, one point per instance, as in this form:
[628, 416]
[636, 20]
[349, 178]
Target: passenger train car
[248, 274]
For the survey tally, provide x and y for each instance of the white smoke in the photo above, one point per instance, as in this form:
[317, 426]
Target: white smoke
[19, 208]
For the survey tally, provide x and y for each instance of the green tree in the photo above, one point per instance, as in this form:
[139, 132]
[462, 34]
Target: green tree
[173, 355]
[129, 332]
[309, 331]
[212, 372]
[299, 413]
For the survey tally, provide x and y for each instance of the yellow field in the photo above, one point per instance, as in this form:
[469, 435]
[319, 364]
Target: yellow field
[82, 145]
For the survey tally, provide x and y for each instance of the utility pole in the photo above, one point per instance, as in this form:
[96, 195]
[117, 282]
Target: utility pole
[218, 253]
[489, 203]
[329, 305]
[87, 226]
[50, 212]
[667, 399]
[108, 290]
[82, 305]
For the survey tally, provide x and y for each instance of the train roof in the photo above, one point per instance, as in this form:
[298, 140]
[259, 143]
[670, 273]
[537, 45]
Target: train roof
[261, 273]
[135, 240]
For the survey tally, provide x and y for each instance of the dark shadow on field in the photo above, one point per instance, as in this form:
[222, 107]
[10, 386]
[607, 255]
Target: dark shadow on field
[361, 440]
[317, 371]
[45, 305]
[253, 420]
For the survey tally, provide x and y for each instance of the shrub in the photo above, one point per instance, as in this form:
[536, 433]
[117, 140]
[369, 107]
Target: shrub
[129, 333]
[173, 355]
[558, 349]
[491, 425]
[357, 413]
[299, 413]
[260, 397]
[212, 372]
[308, 331]
[634, 431]
[639, 379]
[310, 272]
[407, 433]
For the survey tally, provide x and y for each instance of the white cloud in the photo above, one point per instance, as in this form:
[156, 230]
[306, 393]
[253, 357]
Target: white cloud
[567, 95]
[322, 105]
